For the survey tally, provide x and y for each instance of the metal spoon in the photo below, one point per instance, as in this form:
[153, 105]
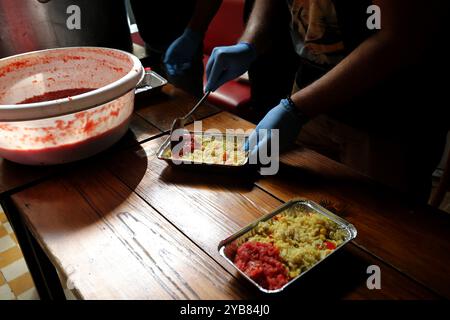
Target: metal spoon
[179, 123]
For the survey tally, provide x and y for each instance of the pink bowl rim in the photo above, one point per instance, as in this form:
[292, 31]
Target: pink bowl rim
[77, 103]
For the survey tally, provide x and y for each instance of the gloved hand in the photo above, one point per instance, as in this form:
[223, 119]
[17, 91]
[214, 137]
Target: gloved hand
[284, 117]
[181, 52]
[228, 63]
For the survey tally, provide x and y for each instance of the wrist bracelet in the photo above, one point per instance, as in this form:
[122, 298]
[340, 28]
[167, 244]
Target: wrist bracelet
[303, 118]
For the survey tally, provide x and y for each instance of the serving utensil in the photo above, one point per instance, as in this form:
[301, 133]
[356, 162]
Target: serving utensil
[179, 123]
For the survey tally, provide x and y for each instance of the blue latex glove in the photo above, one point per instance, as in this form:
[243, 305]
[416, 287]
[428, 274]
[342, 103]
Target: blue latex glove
[228, 63]
[181, 52]
[284, 117]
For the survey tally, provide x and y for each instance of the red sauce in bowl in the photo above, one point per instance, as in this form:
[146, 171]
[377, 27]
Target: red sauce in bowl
[261, 262]
[54, 95]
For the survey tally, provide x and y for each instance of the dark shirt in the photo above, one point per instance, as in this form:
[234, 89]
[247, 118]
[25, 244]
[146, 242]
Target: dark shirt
[161, 22]
[325, 31]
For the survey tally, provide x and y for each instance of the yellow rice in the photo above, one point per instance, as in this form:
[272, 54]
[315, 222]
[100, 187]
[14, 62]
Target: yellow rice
[300, 236]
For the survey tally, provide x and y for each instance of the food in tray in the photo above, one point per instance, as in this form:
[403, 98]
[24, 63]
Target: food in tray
[211, 149]
[286, 245]
[262, 262]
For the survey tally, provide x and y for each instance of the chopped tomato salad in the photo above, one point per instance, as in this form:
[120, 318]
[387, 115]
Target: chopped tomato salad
[261, 262]
[288, 244]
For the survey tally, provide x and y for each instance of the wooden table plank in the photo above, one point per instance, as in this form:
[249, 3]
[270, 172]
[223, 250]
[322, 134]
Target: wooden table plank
[14, 175]
[208, 207]
[344, 276]
[113, 245]
[205, 207]
[160, 110]
[193, 200]
[413, 238]
[142, 130]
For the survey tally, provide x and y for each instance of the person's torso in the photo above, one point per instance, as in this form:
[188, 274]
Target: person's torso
[325, 31]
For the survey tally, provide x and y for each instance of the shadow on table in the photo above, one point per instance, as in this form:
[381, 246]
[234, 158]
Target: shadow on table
[320, 172]
[13, 175]
[86, 186]
[209, 177]
[17, 176]
[99, 163]
[316, 172]
[150, 98]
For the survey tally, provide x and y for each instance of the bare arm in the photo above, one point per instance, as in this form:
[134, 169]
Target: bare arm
[401, 40]
[262, 22]
[204, 12]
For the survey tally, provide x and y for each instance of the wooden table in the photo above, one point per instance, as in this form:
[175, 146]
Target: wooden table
[125, 225]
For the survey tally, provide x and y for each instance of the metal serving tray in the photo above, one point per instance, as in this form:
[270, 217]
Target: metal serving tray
[195, 164]
[151, 83]
[234, 241]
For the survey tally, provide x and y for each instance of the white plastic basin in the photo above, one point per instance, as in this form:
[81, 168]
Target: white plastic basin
[69, 128]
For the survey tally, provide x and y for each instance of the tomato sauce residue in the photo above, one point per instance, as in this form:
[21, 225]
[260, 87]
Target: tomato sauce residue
[68, 152]
[14, 66]
[53, 95]
[262, 263]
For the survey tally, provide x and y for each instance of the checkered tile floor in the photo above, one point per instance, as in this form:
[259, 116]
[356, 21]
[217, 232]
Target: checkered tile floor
[15, 279]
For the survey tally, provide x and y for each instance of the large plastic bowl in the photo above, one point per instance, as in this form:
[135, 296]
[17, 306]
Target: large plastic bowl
[72, 128]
